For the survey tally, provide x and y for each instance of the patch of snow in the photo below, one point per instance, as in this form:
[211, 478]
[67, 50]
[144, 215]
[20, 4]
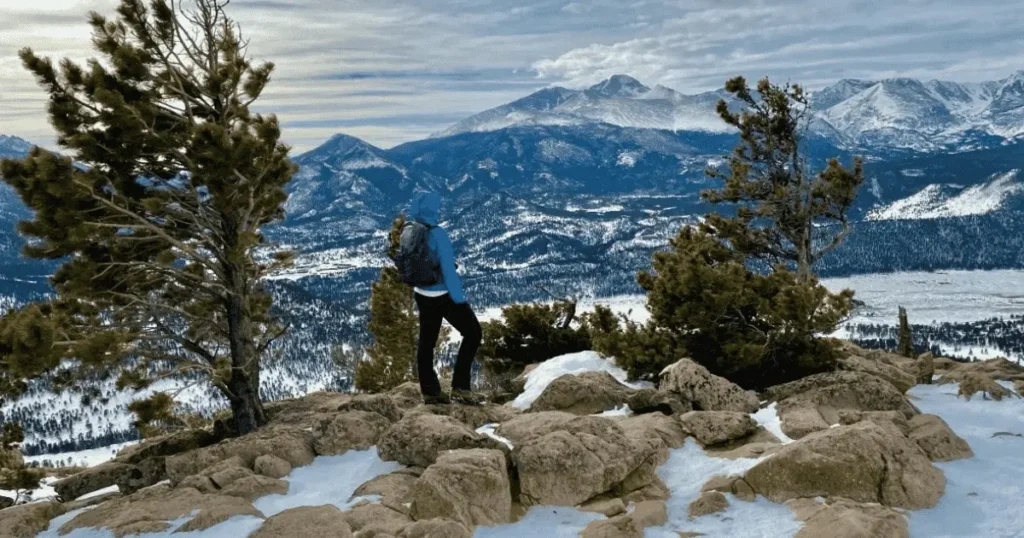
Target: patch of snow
[488, 430]
[627, 159]
[768, 417]
[574, 364]
[547, 521]
[82, 458]
[99, 493]
[688, 468]
[328, 480]
[983, 493]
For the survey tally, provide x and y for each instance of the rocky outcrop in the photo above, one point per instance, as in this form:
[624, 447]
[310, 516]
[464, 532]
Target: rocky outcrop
[151, 510]
[91, 479]
[879, 366]
[306, 521]
[584, 394]
[419, 438]
[843, 518]
[709, 502]
[814, 402]
[715, 427]
[28, 520]
[705, 391]
[606, 507]
[937, 440]
[864, 462]
[352, 430]
[468, 486]
[292, 445]
[585, 457]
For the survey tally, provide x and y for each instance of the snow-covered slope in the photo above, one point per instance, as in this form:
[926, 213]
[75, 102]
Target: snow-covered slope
[938, 201]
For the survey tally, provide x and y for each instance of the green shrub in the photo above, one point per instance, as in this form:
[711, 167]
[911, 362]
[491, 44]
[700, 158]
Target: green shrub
[756, 330]
[527, 334]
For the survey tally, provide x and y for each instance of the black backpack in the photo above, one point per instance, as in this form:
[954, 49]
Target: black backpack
[416, 267]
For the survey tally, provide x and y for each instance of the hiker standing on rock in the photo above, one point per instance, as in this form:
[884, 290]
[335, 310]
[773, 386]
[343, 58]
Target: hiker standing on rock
[426, 261]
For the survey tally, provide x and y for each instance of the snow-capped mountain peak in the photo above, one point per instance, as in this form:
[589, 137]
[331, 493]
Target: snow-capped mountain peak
[618, 86]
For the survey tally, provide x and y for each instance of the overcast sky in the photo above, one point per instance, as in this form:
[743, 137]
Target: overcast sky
[391, 71]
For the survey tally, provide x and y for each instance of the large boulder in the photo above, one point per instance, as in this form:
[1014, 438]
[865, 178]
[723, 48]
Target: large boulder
[152, 509]
[306, 521]
[815, 402]
[92, 479]
[28, 520]
[272, 466]
[705, 391]
[709, 502]
[373, 519]
[468, 486]
[583, 394]
[715, 427]
[937, 440]
[352, 430]
[419, 438]
[393, 489]
[656, 426]
[864, 462]
[843, 518]
[255, 486]
[622, 526]
[878, 366]
[975, 382]
[290, 444]
[585, 457]
[525, 428]
[648, 400]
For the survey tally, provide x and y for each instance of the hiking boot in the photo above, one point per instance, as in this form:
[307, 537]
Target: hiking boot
[467, 397]
[436, 399]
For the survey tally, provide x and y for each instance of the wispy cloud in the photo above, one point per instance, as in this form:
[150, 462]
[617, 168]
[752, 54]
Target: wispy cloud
[395, 71]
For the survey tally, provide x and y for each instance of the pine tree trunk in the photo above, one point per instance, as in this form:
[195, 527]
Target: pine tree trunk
[804, 256]
[246, 406]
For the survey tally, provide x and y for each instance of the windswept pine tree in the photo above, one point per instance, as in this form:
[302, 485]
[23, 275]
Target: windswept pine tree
[787, 213]
[157, 210]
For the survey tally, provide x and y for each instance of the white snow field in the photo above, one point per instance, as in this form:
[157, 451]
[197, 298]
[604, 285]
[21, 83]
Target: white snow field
[981, 500]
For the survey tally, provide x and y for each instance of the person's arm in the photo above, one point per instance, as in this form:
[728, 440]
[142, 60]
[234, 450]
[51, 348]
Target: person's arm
[447, 257]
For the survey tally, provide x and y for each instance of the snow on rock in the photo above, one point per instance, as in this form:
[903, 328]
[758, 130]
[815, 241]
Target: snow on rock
[983, 493]
[328, 480]
[687, 470]
[933, 202]
[574, 364]
[768, 417]
[488, 430]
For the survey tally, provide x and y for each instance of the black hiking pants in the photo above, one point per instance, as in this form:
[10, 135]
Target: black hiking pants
[432, 311]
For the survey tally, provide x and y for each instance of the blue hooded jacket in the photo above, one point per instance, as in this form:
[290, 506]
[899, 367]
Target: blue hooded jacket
[426, 208]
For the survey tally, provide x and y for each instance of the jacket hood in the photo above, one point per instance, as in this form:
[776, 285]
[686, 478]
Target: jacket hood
[426, 208]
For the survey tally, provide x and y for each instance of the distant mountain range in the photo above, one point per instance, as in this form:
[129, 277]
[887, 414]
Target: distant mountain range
[565, 180]
[573, 191]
